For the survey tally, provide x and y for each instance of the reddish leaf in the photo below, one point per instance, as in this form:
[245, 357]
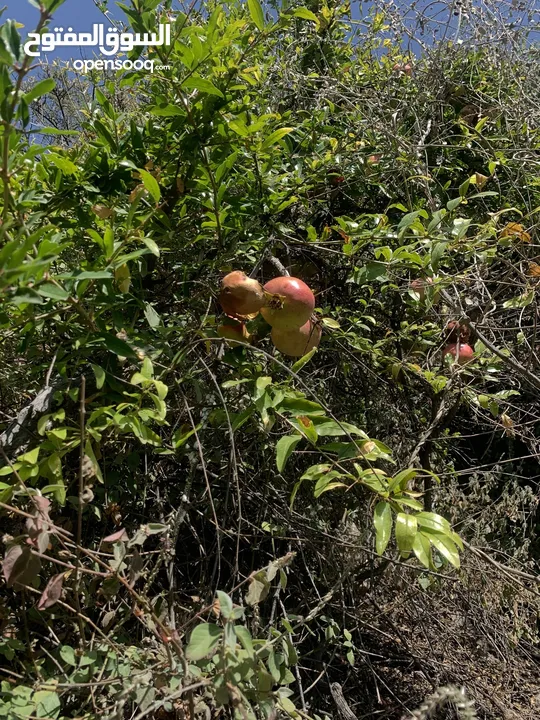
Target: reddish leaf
[10, 562]
[119, 535]
[52, 592]
[20, 566]
[42, 505]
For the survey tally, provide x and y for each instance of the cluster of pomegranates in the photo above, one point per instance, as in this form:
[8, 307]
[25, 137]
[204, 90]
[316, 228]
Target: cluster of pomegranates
[406, 69]
[286, 303]
[456, 335]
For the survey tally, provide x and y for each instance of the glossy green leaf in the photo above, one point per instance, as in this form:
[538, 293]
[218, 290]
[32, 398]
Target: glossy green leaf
[256, 12]
[275, 137]
[383, 521]
[151, 184]
[406, 529]
[284, 448]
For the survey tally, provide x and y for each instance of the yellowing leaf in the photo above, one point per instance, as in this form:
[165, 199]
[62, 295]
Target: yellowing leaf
[122, 278]
[516, 230]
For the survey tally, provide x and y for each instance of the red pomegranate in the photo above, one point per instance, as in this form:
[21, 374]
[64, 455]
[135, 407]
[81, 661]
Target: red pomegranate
[291, 304]
[233, 331]
[374, 159]
[455, 331]
[419, 286]
[297, 342]
[463, 355]
[407, 69]
[240, 295]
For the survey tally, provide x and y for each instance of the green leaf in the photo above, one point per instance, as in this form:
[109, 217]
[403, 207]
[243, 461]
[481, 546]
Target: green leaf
[100, 375]
[408, 502]
[151, 245]
[30, 457]
[256, 12]
[11, 39]
[108, 241]
[422, 549]
[26, 296]
[433, 521]
[444, 545]
[408, 219]
[406, 529]
[180, 437]
[520, 301]
[166, 110]
[401, 479]
[437, 253]
[151, 315]
[284, 448]
[151, 184]
[306, 14]
[258, 588]
[382, 520]
[306, 427]
[199, 83]
[89, 450]
[299, 364]
[245, 639]
[41, 88]
[225, 604]
[55, 131]
[452, 204]
[62, 163]
[326, 427]
[324, 484]
[203, 641]
[272, 666]
[275, 137]
[116, 346]
[86, 275]
[299, 406]
[47, 704]
[67, 653]
[49, 290]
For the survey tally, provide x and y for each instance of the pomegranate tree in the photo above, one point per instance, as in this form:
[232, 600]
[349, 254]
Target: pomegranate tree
[240, 295]
[297, 342]
[289, 303]
[462, 353]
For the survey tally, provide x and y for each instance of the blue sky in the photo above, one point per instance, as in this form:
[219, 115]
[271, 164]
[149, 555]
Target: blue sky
[78, 14]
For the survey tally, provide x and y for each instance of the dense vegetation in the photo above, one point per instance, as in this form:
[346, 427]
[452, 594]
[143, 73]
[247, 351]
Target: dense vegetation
[196, 528]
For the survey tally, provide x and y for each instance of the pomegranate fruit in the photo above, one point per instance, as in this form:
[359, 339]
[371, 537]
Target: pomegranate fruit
[297, 342]
[240, 295]
[289, 303]
[374, 159]
[234, 332]
[419, 286]
[455, 331]
[463, 355]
